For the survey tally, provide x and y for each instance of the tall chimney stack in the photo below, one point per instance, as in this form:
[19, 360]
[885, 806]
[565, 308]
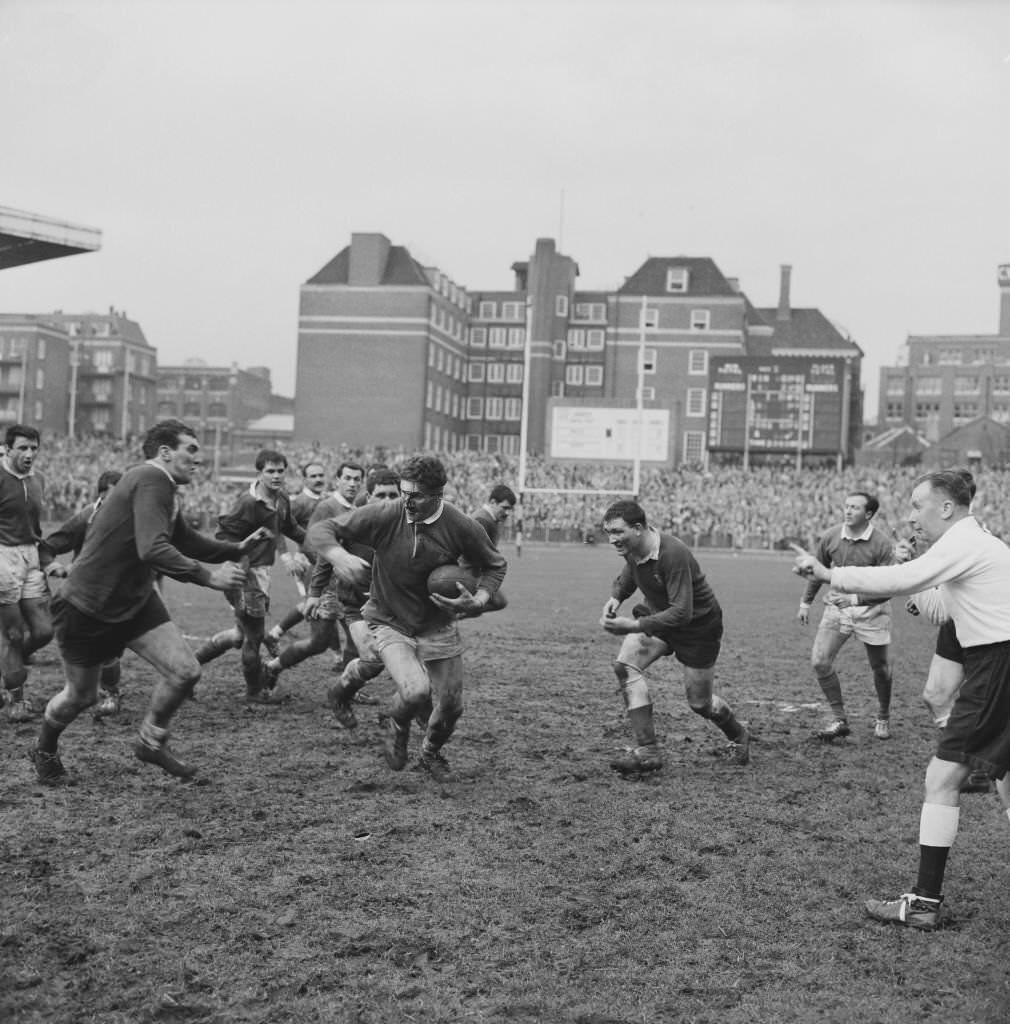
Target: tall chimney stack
[784, 307]
[1004, 300]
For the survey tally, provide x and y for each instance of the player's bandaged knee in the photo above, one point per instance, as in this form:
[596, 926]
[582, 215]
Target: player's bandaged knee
[631, 685]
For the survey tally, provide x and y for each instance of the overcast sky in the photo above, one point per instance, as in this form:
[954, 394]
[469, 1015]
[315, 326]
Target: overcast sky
[227, 148]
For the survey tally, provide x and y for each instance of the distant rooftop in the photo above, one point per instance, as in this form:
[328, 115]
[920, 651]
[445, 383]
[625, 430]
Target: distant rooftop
[30, 238]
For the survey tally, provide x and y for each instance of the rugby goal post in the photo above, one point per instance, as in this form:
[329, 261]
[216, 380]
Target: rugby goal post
[596, 431]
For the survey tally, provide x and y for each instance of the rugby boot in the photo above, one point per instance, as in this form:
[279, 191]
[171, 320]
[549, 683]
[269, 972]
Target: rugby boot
[340, 704]
[19, 711]
[909, 910]
[48, 767]
[395, 744]
[882, 728]
[272, 644]
[837, 730]
[161, 756]
[434, 763]
[109, 703]
[738, 751]
[638, 761]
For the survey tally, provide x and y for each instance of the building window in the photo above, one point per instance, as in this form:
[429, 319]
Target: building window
[473, 442]
[513, 408]
[557, 389]
[510, 444]
[103, 359]
[650, 317]
[701, 319]
[697, 361]
[694, 446]
[496, 373]
[514, 373]
[476, 372]
[676, 279]
[497, 337]
[648, 360]
[429, 394]
[594, 339]
[40, 350]
[438, 397]
[594, 376]
[38, 412]
[455, 407]
[573, 374]
[440, 360]
[593, 311]
[966, 385]
[696, 401]
[561, 305]
[512, 311]
[40, 379]
[486, 310]
[576, 338]
[964, 412]
[923, 386]
[517, 337]
[648, 394]
[950, 357]
[478, 336]
[559, 349]
[474, 408]
[1001, 385]
[495, 408]
[923, 410]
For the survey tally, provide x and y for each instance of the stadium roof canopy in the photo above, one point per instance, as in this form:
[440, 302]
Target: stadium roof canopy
[30, 238]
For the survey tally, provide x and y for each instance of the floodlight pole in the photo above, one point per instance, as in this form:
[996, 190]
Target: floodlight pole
[525, 414]
[636, 473]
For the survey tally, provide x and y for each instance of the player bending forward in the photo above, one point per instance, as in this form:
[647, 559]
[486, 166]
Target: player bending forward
[680, 617]
[110, 602]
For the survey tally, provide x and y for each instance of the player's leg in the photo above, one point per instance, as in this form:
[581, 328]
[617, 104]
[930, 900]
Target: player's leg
[164, 647]
[38, 623]
[942, 684]
[321, 633]
[636, 654]
[80, 691]
[12, 663]
[228, 639]
[878, 656]
[447, 706]
[827, 643]
[399, 654]
[699, 686]
[367, 665]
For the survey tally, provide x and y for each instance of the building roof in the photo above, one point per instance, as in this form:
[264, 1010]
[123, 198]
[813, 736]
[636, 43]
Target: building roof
[806, 329]
[401, 269]
[30, 238]
[704, 277]
[896, 437]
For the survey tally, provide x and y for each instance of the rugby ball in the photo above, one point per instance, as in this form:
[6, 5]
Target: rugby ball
[443, 579]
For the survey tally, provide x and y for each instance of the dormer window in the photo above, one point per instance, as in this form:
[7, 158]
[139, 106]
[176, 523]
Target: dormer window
[676, 279]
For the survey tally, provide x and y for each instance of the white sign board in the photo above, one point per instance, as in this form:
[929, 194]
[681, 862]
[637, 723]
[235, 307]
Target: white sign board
[600, 433]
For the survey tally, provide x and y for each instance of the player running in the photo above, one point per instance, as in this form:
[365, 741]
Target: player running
[681, 616]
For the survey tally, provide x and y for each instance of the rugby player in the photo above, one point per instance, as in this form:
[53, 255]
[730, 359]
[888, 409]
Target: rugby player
[25, 621]
[109, 602]
[265, 504]
[854, 542]
[681, 616]
[971, 569]
[415, 634]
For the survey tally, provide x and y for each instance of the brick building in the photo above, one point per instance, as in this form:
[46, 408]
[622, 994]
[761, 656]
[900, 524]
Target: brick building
[216, 401]
[942, 382]
[34, 372]
[394, 353]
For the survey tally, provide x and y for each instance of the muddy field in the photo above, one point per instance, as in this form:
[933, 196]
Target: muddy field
[299, 880]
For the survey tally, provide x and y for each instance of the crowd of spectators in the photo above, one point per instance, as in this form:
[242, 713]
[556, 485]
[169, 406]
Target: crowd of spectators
[763, 507]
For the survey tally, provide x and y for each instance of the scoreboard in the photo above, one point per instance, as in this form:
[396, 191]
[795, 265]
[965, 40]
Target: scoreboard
[786, 404]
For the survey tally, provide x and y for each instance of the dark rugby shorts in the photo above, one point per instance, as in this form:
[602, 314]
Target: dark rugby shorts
[978, 730]
[86, 641]
[947, 645]
[696, 645]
